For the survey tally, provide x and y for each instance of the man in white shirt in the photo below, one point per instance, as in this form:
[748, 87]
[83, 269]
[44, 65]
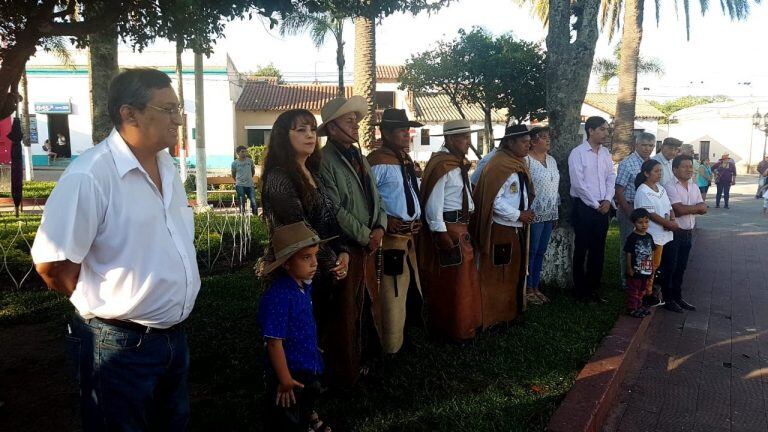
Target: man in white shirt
[592, 187]
[117, 238]
[446, 256]
[687, 202]
[670, 148]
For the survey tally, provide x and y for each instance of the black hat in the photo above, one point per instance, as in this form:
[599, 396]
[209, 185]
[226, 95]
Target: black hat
[514, 131]
[394, 118]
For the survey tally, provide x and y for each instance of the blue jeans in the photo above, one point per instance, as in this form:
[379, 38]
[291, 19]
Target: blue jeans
[250, 193]
[129, 380]
[540, 234]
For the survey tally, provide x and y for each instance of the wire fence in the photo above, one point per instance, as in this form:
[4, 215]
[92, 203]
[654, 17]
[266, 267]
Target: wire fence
[225, 239]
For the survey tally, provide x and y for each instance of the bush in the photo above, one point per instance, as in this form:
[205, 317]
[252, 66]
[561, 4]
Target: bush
[33, 189]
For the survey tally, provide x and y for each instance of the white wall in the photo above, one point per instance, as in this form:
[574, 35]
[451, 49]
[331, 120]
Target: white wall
[732, 135]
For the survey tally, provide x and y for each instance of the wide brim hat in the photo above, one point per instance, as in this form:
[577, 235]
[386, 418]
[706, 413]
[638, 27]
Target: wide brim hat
[455, 127]
[339, 106]
[514, 131]
[289, 239]
[396, 118]
[725, 156]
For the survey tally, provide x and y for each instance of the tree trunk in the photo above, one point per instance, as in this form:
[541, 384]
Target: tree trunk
[631, 37]
[568, 68]
[12, 65]
[488, 144]
[365, 75]
[102, 66]
[340, 58]
[25, 127]
[183, 128]
[201, 182]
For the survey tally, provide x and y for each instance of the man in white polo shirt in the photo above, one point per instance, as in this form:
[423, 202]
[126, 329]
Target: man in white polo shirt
[117, 238]
[687, 202]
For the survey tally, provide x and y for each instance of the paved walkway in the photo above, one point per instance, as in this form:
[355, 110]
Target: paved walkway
[708, 370]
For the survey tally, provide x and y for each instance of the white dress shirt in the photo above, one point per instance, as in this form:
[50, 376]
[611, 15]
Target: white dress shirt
[445, 197]
[666, 169]
[506, 205]
[389, 180]
[135, 245]
[592, 175]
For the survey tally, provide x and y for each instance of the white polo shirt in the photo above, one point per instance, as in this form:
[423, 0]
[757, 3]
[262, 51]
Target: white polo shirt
[135, 245]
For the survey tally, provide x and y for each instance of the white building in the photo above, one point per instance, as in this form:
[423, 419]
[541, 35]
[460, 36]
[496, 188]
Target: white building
[723, 127]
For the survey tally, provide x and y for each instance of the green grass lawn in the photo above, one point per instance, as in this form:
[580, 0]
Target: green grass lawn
[508, 380]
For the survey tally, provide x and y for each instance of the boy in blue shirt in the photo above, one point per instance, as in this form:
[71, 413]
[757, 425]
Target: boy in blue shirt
[294, 363]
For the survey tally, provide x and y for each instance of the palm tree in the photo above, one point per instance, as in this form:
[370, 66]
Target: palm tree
[319, 25]
[365, 75]
[608, 68]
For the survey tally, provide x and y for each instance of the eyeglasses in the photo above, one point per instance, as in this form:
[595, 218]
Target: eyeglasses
[176, 110]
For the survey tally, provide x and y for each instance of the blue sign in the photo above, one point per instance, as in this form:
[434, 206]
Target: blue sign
[53, 107]
[32, 129]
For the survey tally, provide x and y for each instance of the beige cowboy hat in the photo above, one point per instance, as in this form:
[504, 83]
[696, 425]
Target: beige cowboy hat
[455, 127]
[339, 106]
[725, 156]
[289, 239]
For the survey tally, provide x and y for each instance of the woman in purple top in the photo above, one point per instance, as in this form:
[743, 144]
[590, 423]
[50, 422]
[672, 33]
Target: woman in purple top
[725, 177]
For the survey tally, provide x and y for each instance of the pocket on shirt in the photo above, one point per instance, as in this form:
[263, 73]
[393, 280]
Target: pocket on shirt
[188, 219]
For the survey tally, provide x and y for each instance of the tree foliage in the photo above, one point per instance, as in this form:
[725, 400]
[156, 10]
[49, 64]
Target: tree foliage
[608, 68]
[674, 105]
[269, 70]
[478, 69]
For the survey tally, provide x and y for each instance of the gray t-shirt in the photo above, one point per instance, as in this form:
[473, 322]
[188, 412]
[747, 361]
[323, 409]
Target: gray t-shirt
[243, 170]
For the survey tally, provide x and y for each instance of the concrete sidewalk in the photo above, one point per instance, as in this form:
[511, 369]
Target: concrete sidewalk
[708, 370]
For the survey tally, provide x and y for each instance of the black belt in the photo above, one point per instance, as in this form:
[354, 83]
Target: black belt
[456, 216]
[130, 325]
[406, 227]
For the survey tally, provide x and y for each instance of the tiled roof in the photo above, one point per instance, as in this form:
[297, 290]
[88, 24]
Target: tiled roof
[606, 102]
[263, 96]
[437, 108]
[388, 72]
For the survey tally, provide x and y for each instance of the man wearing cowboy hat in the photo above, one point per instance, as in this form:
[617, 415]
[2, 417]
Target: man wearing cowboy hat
[395, 177]
[361, 217]
[503, 196]
[449, 275]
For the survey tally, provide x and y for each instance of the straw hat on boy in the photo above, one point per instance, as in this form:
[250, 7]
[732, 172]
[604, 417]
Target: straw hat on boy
[289, 239]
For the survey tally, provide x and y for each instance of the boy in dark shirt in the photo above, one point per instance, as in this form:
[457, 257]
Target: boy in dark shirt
[639, 249]
[294, 363]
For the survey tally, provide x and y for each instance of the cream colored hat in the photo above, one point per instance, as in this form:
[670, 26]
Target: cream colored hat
[289, 239]
[339, 106]
[455, 127]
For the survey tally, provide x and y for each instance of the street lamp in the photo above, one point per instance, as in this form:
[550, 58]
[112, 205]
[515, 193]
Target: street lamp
[760, 123]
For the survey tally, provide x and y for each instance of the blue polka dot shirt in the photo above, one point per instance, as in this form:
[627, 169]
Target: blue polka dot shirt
[285, 312]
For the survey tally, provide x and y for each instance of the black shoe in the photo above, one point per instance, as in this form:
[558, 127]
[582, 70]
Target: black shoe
[685, 305]
[726, 207]
[672, 306]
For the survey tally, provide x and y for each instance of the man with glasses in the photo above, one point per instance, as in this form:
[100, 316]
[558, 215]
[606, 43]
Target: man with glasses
[117, 239]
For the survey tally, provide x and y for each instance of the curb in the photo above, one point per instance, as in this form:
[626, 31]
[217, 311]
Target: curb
[593, 395]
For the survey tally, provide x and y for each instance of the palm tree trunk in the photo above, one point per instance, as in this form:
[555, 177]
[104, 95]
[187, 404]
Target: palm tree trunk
[25, 127]
[340, 57]
[631, 37]
[183, 128]
[102, 66]
[365, 75]
[201, 182]
[568, 68]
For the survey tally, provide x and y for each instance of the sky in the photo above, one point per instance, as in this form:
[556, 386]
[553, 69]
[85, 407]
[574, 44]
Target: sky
[721, 57]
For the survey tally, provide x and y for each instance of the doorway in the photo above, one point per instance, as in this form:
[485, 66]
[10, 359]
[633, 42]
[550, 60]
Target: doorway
[703, 150]
[59, 124]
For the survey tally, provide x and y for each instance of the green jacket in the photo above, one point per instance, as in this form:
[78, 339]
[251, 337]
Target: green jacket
[346, 191]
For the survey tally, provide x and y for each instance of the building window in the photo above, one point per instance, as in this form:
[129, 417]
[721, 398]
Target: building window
[384, 100]
[257, 137]
[703, 150]
[425, 136]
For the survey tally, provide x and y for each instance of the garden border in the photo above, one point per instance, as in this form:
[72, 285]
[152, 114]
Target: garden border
[595, 392]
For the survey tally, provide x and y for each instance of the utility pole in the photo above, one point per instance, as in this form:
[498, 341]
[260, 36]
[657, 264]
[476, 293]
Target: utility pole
[201, 182]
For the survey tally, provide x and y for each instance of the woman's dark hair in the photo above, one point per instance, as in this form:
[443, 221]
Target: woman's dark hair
[644, 169]
[638, 213]
[133, 87]
[280, 153]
